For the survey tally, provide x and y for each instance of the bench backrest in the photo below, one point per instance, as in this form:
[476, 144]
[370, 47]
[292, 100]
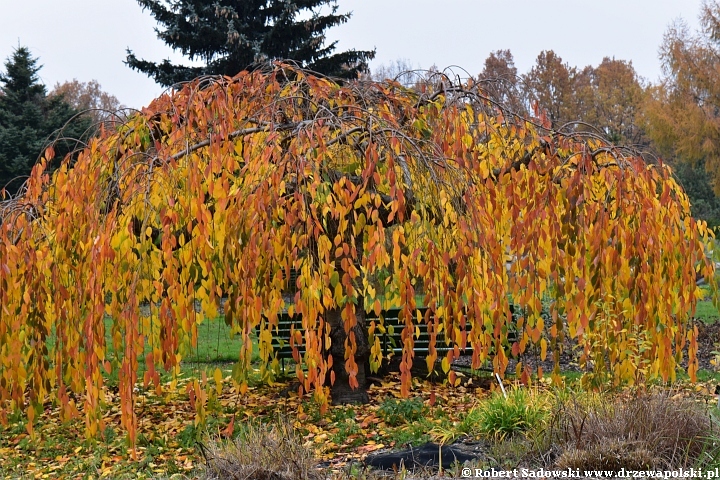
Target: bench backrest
[388, 329]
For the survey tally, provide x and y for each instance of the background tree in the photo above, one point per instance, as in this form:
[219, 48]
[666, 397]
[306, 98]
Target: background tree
[698, 186]
[88, 97]
[683, 112]
[229, 36]
[401, 70]
[28, 120]
[610, 97]
[550, 85]
[500, 80]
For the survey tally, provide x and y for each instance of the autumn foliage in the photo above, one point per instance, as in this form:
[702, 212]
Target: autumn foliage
[372, 196]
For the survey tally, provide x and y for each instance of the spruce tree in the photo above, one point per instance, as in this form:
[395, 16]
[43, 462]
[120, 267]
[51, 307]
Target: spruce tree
[28, 120]
[229, 36]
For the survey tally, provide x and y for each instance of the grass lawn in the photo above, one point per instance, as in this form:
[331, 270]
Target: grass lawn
[214, 346]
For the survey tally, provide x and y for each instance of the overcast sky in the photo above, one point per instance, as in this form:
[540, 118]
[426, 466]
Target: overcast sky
[86, 39]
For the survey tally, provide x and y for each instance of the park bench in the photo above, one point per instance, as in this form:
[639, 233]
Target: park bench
[389, 332]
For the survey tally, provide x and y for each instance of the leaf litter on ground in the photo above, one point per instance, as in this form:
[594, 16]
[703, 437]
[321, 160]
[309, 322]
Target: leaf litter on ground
[170, 436]
[169, 431]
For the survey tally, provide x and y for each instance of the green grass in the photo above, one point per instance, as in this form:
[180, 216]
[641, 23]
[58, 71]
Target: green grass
[703, 376]
[706, 312]
[214, 344]
[413, 433]
[215, 347]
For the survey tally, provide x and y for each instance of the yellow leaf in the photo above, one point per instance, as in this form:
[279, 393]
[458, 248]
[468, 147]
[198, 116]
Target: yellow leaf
[218, 380]
[445, 365]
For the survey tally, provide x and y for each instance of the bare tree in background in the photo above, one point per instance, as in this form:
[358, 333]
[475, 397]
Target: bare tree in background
[401, 70]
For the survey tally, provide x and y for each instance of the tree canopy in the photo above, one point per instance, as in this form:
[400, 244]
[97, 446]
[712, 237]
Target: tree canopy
[377, 196]
[28, 120]
[228, 36]
[684, 111]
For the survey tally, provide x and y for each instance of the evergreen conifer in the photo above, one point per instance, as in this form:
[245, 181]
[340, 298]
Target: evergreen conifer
[229, 36]
[29, 118]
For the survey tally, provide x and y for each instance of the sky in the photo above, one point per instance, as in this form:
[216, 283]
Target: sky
[87, 39]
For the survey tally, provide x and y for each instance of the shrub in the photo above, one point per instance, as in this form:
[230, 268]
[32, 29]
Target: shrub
[612, 455]
[411, 434]
[396, 412]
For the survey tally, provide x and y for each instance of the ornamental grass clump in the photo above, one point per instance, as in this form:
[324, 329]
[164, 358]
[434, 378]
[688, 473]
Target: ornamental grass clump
[261, 452]
[499, 417]
[647, 431]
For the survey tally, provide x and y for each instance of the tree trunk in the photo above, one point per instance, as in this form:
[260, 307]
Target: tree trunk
[341, 391]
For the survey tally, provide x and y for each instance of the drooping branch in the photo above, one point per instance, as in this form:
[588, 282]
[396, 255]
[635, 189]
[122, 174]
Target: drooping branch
[239, 133]
[523, 161]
